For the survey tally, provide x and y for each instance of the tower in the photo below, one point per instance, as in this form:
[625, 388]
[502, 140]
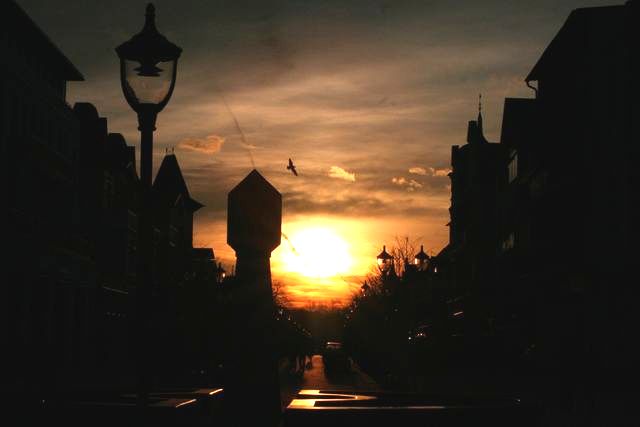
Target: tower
[253, 230]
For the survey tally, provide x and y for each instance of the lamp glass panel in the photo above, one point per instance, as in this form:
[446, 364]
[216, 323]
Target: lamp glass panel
[148, 83]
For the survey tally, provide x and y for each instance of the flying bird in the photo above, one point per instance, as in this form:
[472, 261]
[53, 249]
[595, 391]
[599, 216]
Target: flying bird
[292, 168]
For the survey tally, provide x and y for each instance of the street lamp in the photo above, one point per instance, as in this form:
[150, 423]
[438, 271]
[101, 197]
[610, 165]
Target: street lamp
[384, 259]
[421, 259]
[148, 68]
[220, 273]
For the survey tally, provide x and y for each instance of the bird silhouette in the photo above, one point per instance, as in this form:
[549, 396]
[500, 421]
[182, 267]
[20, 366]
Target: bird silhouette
[292, 168]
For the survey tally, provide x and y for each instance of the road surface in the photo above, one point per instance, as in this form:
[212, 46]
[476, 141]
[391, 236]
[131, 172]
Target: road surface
[317, 379]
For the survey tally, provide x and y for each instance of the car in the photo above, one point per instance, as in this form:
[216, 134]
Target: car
[334, 358]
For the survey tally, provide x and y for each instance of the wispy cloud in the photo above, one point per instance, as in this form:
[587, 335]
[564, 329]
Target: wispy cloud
[439, 172]
[338, 172]
[210, 144]
[418, 171]
[410, 184]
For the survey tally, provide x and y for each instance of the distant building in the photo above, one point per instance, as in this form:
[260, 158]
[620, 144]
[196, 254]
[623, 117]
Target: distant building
[476, 177]
[108, 198]
[174, 210]
[108, 188]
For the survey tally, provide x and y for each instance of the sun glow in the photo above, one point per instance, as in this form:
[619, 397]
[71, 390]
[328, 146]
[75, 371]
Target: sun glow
[317, 252]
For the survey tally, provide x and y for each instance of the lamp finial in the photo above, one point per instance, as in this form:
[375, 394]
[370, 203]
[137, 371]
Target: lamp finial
[150, 17]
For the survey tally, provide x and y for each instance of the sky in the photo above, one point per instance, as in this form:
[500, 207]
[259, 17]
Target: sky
[366, 97]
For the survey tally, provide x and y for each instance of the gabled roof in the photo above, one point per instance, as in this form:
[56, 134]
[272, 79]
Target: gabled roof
[28, 31]
[583, 27]
[170, 183]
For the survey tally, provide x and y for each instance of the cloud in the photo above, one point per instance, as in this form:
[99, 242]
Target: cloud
[210, 144]
[399, 181]
[360, 205]
[410, 184]
[439, 172]
[338, 172]
[418, 171]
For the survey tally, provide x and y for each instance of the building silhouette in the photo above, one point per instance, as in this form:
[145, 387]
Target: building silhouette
[173, 222]
[71, 214]
[476, 177]
[544, 224]
[48, 272]
[579, 182]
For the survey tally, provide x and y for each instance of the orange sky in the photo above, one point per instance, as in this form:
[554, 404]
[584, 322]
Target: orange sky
[363, 237]
[366, 97]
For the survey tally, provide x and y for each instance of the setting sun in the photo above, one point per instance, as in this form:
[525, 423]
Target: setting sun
[317, 252]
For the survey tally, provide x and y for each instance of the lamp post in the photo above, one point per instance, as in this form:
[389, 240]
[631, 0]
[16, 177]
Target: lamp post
[146, 86]
[421, 259]
[384, 260]
[148, 68]
[221, 273]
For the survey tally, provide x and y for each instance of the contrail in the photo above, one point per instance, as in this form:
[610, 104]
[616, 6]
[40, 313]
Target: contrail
[293, 249]
[238, 128]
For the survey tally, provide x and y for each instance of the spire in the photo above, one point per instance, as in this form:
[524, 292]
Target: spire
[475, 131]
[480, 115]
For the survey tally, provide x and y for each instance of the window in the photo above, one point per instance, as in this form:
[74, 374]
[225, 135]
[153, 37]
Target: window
[513, 166]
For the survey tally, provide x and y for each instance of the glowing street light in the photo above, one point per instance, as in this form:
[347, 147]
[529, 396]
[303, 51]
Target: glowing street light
[384, 259]
[421, 260]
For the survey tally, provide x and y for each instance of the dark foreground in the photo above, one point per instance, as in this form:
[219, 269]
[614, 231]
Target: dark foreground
[315, 397]
[349, 397]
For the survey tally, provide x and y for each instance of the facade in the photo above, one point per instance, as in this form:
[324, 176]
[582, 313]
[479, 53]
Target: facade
[476, 177]
[49, 275]
[70, 215]
[579, 186]
[543, 225]
[108, 196]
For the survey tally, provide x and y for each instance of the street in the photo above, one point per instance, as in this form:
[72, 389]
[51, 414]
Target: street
[316, 378]
[353, 398]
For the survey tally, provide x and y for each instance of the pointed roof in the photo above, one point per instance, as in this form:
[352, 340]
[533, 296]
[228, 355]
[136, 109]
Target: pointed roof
[475, 134]
[475, 131]
[254, 215]
[170, 182]
[422, 256]
[384, 255]
[254, 181]
[585, 29]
